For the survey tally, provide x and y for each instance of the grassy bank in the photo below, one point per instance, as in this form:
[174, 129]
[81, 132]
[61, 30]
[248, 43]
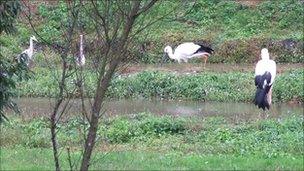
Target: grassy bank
[235, 29]
[145, 141]
[209, 86]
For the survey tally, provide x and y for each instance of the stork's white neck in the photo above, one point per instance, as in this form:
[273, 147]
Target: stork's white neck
[81, 47]
[170, 53]
[31, 45]
[264, 54]
[30, 50]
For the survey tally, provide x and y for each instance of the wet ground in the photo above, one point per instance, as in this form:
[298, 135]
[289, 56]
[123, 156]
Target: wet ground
[234, 112]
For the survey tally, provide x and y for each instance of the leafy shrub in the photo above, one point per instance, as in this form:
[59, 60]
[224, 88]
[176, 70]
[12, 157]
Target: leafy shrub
[290, 82]
[248, 51]
[10, 135]
[123, 129]
[38, 133]
[162, 125]
[119, 131]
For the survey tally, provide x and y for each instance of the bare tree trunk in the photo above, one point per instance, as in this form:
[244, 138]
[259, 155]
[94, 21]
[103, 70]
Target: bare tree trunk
[98, 99]
[117, 38]
[116, 52]
[54, 117]
[54, 138]
[62, 82]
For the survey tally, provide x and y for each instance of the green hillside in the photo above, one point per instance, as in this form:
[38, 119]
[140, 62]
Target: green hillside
[235, 29]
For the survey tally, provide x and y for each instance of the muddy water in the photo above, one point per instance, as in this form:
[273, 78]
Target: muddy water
[235, 112]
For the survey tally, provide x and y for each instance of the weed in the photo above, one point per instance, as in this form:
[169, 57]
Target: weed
[207, 86]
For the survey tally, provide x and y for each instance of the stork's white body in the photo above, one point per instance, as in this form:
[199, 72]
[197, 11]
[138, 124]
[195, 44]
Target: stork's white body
[265, 73]
[29, 52]
[266, 65]
[185, 51]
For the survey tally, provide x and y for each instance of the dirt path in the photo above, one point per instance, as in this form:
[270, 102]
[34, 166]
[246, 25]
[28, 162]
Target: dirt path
[195, 68]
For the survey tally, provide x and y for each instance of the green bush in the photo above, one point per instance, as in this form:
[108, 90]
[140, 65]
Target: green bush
[33, 134]
[162, 125]
[290, 82]
[38, 133]
[248, 51]
[123, 129]
[119, 131]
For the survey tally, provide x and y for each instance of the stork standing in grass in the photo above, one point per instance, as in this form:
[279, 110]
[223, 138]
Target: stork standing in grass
[27, 55]
[265, 72]
[80, 60]
[188, 50]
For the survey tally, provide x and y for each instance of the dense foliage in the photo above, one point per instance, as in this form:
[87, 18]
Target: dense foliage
[10, 74]
[209, 86]
[10, 70]
[8, 13]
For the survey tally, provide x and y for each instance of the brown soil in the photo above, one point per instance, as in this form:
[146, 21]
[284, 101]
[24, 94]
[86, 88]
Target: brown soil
[249, 2]
[186, 68]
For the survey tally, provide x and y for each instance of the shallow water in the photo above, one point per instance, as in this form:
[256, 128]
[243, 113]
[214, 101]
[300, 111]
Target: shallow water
[235, 112]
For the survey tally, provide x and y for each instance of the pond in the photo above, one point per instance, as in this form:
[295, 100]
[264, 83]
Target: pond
[235, 112]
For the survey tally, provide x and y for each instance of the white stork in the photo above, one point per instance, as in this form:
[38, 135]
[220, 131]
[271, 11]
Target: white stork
[265, 72]
[188, 50]
[27, 55]
[80, 60]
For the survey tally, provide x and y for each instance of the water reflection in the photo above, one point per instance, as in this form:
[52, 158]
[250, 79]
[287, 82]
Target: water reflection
[235, 112]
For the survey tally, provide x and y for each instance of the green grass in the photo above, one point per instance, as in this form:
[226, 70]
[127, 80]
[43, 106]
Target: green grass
[209, 86]
[41, 159]
[146, 141]
[271, 138]
[235, 30]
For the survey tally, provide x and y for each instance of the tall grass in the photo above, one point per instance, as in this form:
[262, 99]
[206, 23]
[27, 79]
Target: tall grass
[206, 86]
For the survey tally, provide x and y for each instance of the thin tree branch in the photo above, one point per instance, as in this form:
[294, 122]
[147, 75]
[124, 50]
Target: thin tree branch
[146, 7]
